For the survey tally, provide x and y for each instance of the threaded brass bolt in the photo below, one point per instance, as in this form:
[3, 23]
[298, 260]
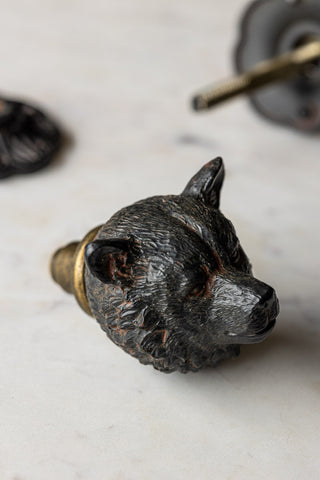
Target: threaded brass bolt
[262, 74]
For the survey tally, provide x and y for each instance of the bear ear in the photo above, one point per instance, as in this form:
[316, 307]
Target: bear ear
[111, 260]
[206, 184]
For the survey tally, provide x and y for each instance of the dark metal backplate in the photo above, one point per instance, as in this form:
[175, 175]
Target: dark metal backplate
[272, 27]
[28, 138]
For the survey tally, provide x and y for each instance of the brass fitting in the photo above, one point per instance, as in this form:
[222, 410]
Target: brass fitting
[265, 73]
[67, 268]
[277, 64]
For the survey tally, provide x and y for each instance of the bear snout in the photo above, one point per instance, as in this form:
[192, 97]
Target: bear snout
[264, 315]
[244, 307]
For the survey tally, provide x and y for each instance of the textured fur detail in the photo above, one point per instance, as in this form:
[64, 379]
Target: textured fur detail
[169, 282]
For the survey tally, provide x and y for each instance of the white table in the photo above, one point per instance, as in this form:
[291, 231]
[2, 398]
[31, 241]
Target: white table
[118, 75]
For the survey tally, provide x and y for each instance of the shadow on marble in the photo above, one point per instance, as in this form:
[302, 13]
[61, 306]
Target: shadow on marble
[291, 352]
[291, 344]
[188, 139]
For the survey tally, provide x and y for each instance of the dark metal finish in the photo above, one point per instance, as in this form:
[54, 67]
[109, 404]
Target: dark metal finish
[168, 281]
[28, 138]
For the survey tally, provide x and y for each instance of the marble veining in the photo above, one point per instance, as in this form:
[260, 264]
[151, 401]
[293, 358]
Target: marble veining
[118, 76]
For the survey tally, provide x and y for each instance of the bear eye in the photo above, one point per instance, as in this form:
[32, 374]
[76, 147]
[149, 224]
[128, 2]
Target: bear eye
[198, 290]
[200, 287]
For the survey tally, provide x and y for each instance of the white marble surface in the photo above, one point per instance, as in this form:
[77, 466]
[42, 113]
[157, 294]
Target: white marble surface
[117, 74]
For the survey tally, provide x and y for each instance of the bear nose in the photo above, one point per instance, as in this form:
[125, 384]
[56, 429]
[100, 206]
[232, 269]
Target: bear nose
[266, 309]
[268, 298]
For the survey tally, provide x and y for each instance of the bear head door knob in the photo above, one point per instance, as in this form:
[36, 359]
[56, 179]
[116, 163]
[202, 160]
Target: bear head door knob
[168, 281]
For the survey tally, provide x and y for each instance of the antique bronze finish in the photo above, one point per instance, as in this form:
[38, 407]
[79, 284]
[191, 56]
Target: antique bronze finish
[67, 268]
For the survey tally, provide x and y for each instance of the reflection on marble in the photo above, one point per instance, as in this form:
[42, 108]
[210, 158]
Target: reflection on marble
[74, 406]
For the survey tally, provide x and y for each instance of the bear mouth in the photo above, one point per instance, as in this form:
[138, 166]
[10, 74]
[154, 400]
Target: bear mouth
[261, 334]
[256, 337]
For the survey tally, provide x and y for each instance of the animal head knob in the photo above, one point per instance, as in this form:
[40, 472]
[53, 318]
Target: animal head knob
[168, 281]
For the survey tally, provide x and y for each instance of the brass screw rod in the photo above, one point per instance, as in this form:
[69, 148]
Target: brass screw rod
[262, 74]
